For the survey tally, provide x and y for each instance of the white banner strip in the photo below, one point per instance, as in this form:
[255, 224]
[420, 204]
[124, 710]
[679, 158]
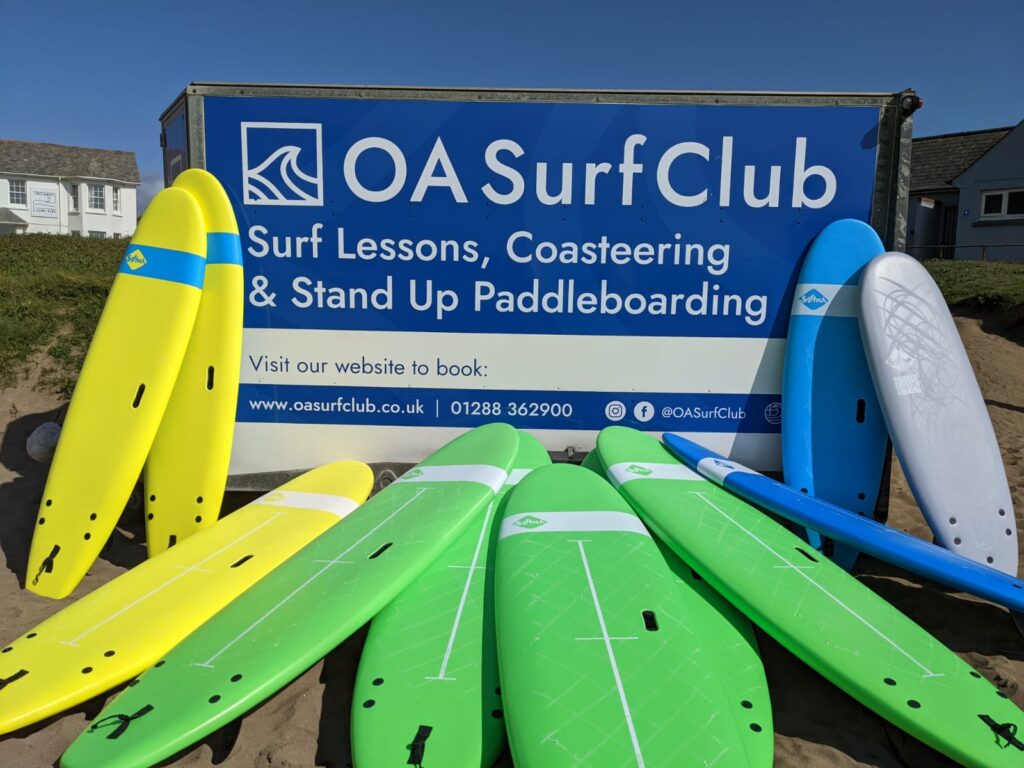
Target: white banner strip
[322, 502]
[638, 470]
[571, 522]
[826, 299]
[717, 470]
[522, 362]
[484, 474]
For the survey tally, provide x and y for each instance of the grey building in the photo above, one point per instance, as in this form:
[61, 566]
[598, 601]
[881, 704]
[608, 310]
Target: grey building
[967, 195]
[67, 190]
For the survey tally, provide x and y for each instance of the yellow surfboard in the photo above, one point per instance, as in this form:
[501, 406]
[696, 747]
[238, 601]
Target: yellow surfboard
[188, 464]
[122, 391]
[125, 626]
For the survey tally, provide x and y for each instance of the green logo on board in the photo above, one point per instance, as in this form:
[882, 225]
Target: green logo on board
[530, 522]
[412, 474]
[636, 469]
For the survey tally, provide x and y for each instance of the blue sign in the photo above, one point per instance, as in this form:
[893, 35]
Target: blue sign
[508, 239]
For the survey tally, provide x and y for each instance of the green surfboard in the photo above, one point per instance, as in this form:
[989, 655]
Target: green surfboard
[730, 644]
[426, 691]
[301, 610]
[603, 662]
[815, 609]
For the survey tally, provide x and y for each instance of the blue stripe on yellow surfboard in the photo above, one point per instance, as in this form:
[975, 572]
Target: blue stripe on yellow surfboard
[163, 264]
[223, 248]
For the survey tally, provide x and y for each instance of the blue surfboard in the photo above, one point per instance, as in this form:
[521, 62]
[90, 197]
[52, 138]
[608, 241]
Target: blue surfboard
[834, 438]
[863, 534]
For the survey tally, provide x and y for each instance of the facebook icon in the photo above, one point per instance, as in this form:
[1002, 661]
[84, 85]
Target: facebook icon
[643, 411]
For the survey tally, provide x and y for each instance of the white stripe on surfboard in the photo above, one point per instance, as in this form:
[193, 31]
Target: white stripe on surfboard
[611, 659]
[321, 502]
[184, 572]
[716, 470]
[307, 582]
[465, 594]
[484, 474]
[826, 300]
[571, 522]
[622, 473]
[836, 600]
[515, 477]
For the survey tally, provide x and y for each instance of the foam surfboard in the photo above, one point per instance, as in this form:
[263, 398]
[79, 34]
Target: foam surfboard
[935, 412]
[888, 544]
[304, 608]
[429, 665]
[602, 661]
[187, 466]
[125, 626]
[834, 440]
[818, 611]
[729, 639]
[122, 392]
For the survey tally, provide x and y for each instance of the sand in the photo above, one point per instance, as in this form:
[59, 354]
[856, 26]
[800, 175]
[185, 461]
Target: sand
[307, 723]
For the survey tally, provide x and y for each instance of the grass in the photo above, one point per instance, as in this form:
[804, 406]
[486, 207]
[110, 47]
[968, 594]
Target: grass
[52, 290]
[989, 286]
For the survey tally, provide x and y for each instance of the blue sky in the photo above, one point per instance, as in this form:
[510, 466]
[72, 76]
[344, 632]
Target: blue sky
[100, 74]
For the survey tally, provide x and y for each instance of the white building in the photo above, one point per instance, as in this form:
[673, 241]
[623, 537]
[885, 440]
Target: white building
[67, 190]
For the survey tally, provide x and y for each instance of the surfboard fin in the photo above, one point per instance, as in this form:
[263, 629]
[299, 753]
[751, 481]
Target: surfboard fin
[1005, 731]
[47, 565]
[418, 746]
[16, 676]
[1018, 621]
[122, 721]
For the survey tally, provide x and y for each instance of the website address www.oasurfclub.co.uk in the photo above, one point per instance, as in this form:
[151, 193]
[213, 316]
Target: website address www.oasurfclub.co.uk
[433, 407]
[338, 405]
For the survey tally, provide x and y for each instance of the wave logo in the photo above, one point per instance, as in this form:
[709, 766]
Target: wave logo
[814, 299]
[282, 164]
[636, 469]
[135, 260]
[723, 464]
[412, 474]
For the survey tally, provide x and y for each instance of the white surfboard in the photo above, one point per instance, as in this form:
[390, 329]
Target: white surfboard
[935, 412]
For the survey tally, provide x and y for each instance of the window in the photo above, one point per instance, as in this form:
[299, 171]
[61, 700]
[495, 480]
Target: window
[115, 199]
[18, 195]
[1002, 204]
[96, 233]
[97, 197]
[73, 189]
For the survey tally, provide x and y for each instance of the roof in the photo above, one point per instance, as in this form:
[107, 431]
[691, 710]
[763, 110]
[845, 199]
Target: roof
[7, 216]
[936, 160]
[33, 158]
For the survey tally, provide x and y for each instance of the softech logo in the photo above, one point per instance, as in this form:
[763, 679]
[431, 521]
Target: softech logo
[530, 522]
[282, 164]
[135, 260]
[814, 299]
